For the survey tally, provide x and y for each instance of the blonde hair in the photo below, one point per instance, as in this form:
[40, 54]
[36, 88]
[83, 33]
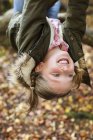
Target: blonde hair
[77, 79]
[42, 89]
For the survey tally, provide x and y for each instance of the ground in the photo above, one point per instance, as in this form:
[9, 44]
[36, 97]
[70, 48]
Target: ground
[70, 118]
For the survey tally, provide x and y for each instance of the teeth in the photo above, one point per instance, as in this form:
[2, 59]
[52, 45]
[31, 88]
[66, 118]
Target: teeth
[63, 61]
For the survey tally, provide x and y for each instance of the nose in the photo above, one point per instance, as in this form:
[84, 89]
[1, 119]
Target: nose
[64, 68]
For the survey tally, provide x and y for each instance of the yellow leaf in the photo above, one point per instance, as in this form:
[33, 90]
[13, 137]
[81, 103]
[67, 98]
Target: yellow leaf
[67, 110]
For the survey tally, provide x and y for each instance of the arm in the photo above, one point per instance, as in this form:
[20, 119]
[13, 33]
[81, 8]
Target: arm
[76, 16]
[74, 27]
[73, 31]
[32, 23]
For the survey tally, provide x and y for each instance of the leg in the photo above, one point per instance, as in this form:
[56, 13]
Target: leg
[18, 5]
[54, 10]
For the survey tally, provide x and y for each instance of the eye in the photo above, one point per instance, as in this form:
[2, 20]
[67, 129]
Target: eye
[56, 74]
[71, 75]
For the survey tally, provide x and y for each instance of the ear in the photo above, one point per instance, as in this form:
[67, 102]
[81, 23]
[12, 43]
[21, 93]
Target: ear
[39, 67]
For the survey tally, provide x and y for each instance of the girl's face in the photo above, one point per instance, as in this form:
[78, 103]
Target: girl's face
[58, 70]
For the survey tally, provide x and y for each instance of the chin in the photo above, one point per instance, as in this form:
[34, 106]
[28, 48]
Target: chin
[64, 94]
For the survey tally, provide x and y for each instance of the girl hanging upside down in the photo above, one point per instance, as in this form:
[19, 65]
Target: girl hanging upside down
[48, 49]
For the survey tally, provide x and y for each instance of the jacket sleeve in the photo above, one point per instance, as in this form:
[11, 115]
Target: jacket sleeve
[76, 16]
[32, 24]
[74, 26]
[73, 31]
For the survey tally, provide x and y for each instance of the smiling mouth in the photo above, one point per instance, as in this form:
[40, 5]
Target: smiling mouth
[63, 61]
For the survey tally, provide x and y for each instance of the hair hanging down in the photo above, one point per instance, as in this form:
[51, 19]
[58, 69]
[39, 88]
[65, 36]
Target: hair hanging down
[41, 88]
[77, 79]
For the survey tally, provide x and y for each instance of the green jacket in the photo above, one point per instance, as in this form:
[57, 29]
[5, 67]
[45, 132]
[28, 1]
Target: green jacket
[30, 32]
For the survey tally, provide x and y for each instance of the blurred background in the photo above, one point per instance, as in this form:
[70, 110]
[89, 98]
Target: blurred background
[69, 118]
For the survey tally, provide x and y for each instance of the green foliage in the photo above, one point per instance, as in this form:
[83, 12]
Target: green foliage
[5, 5]
[80, 115]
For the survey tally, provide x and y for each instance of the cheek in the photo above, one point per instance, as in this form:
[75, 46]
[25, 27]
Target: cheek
[72, 67]
[50, 62]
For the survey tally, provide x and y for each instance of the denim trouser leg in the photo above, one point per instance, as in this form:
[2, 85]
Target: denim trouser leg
[18, 5]
[52, 12]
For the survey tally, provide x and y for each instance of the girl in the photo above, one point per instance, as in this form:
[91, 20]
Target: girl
[48, 50]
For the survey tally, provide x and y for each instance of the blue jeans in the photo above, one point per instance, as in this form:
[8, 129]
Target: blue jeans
[52, 12]
[18, 5]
